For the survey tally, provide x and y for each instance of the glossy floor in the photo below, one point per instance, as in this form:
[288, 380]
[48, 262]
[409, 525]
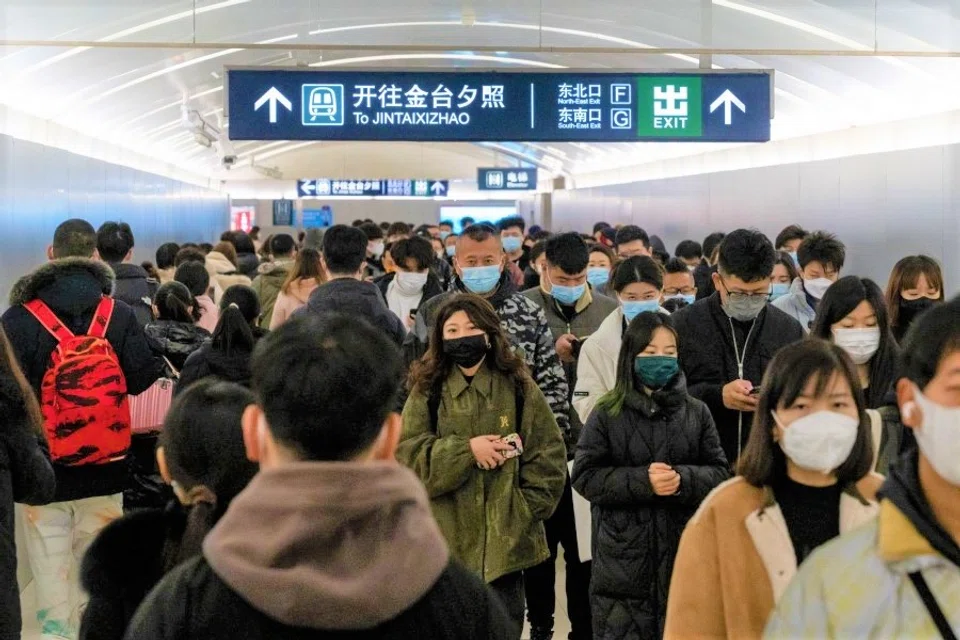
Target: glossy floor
[31, 631]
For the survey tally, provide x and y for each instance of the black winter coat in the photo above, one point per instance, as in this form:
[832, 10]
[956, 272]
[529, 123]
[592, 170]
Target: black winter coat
[72, 288]
[636, 532]
[136, 288]
[432, 289]
[193, 602]
[209, 361]
[247, 264]
[355, 298]
[175, 340]
[708, 358]
[27, 477]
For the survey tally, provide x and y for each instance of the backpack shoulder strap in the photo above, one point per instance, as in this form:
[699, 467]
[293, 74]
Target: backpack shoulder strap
[518, 400]
[48, 320]
[101, 318]
[433, 403]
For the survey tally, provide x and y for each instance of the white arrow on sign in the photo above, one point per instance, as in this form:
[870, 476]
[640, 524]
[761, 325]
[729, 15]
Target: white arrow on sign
[308, 186]
[437, 188]
[727, 98]
[273, 96]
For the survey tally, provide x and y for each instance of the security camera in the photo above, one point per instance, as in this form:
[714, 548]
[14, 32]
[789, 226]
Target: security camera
[228, 161]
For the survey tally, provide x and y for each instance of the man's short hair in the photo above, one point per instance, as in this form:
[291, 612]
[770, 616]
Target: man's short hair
[676, 265]
[711, 242]
[793, 232]
[512, 221]
[344, 249]
[194, 276]
[167, 255]
[824, 248]
[420, 249]
[189, 254]
[282, 245]
[600, 226]
[747, 254]
[446, 223]
[689, 250]
[372, 231]
[398, 229]
[569, 252]
[480, 232]
[114, 241]
[632, 233]
[326, 385]
[74, 238]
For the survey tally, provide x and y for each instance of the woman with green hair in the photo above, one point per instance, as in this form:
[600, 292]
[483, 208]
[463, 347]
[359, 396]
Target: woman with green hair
[648, 455]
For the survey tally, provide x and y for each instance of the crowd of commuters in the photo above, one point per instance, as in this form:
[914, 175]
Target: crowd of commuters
[391, 431]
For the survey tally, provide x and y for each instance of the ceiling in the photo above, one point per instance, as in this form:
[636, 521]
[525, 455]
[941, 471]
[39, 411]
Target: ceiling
[131, 96]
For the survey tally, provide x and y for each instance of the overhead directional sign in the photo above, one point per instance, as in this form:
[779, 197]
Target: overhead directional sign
[325, 187]
[498, 106]
[507, 179]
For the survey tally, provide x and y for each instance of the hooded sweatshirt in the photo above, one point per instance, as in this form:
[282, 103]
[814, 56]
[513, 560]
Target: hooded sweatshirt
[330, 545]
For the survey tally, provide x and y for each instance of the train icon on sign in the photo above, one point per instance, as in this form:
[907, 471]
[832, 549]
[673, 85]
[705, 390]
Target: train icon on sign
[322, 105]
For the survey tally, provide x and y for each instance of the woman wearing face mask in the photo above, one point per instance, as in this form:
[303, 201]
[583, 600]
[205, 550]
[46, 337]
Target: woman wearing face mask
[804, 478]
[489, 497]
[784, 273]
[413, 282]
[638, 283]
[898, 577]
[600, 267]
[649, 454]
[916, 284]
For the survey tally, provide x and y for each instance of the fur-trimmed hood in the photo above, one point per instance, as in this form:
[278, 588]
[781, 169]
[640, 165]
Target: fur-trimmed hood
[30, 286]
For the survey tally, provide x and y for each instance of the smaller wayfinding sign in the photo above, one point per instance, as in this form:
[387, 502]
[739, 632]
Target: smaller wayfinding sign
[360, 188]
[506, 179]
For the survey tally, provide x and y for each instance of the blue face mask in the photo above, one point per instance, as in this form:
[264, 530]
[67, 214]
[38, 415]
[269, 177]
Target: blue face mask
[779, 289]
[796, 260]
[656, 371]
[633, 308]
[598, 276]
[689, 298]
[452, 250]
[512, 243]
[481, 280]
[567, 295]
[444, 235]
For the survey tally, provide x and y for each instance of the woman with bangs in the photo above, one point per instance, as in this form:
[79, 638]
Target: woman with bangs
[916, 284]
[803, 479]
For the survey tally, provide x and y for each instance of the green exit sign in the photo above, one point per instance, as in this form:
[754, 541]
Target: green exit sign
[669, 107]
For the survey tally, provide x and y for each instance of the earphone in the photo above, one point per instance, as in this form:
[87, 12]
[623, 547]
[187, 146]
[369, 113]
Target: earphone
[908, 409]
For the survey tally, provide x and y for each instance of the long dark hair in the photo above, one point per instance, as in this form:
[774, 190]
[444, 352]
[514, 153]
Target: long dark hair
[435, 366]
[175, 302]
[19, 394]
[239, 312]
[905, 275]
[638, 335]
[763, 462]
[209, 463]
[841, 299]
[306, 267]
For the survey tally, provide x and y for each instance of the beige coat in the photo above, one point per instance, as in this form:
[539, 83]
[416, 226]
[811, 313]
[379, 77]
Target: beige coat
[287, 303]
[736, 559]
[223, 274]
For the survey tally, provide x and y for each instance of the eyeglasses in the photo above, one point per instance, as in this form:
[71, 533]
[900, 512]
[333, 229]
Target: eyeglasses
[740, 296]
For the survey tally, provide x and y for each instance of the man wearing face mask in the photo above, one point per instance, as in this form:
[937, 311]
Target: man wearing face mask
[479, 264]
[511, 234]
[413, 283]
[821, 257]
[728, 339]
[373, 264]
[574, 312]
[898, 577]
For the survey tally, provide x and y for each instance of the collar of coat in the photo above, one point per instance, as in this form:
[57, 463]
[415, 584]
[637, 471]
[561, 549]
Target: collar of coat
[29, 286]
[897, 538]
[482, 382]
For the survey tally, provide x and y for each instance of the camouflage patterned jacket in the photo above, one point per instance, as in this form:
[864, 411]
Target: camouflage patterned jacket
[526, 324]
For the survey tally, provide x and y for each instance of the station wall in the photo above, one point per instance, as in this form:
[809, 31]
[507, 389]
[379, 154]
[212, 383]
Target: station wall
[882, 206]
[42, 186]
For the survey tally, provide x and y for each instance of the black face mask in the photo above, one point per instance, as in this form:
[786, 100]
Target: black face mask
[911, 309]
[466, 352]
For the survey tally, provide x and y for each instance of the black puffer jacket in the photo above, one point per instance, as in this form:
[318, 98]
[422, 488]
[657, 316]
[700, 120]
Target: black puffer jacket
[135, 287]
[636, 532]
[209, 361]
[175, 340]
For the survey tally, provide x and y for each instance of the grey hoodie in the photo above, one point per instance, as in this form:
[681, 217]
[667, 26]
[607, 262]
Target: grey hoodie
[330, 545]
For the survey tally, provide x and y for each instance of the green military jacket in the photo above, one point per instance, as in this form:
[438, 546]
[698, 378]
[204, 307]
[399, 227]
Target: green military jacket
[268, 285]
[492, 520]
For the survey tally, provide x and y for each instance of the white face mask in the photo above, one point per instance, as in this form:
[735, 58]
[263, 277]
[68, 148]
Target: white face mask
[860, 344]
[817, 287]
[411, 283]
[821, 441]
[939, 436]
[376, 249]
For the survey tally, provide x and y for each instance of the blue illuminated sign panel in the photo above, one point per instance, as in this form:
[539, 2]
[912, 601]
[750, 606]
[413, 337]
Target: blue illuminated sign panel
[271, 104]
[324, 187]
[506, 179]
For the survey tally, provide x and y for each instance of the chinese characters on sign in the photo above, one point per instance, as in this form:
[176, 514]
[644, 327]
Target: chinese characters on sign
[325, 187]
[507, 179]
[392, 104]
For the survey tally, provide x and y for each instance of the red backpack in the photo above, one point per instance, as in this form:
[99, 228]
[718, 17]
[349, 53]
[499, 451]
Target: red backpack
[84, 392]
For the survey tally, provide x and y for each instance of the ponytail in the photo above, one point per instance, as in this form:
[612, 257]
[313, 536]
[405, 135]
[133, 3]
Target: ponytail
[239, 311]
[174, 302]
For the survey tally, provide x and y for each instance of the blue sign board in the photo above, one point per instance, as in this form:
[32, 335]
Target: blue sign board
[318, 218]
[507, 179]
[272, 104]
[324, 187]
[283, 213]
